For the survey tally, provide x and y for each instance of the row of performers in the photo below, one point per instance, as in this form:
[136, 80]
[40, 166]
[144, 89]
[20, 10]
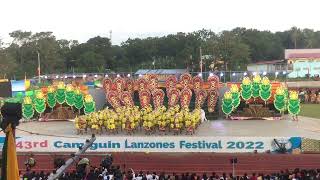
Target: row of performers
[150, 82]
[118, 90]
[132, 119]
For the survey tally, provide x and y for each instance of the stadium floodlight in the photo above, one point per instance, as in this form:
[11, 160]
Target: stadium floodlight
[233, 74]
[245, 73]
[211, 74]
[264, 73]
[200, 74]
[118, 75]
[65, 76]
[95, 75]
[57, 76]
[129, 75]
[84, 76]
[74, 76]
[221, 74]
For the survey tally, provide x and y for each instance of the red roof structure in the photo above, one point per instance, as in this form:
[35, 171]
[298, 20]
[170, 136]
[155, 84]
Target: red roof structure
[302, 53]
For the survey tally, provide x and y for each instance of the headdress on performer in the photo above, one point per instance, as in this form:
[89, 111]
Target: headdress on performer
[130, 85]
[185, 80]
[212, 99]
[213, 93]
[197, 83]
[173, 97]
[107, 84]
[113, 99]
[126, 99]
[119, 84]
[142, 84]
[153, 81]
[171, 82]
[144, 97]
[158, 98]
[213, 81]
[201, 96]
[185, 98]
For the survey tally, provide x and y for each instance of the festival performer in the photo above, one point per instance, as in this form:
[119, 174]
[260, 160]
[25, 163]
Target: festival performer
[177, 124]
[81, 125]
[148, 120]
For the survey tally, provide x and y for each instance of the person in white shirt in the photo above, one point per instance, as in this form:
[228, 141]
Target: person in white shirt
[149, 176]
[155, 176]
[140, 176]
[203, 116]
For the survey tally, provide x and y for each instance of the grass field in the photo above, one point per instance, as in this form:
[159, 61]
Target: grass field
[310, 110]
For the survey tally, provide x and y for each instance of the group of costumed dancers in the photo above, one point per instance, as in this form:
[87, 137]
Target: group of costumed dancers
[152, 115]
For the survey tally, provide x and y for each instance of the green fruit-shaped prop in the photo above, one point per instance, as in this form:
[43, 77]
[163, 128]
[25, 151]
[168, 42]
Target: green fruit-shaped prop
[246, 89]
[51, 97]
[280, 99]
[40, 103]
[235, 96]
[61, 93]
[227, 103]
[27, 108]
[70, 95]
[265, 89]
[89, 105]
[294, 103]
[78, 99]
[256, 86]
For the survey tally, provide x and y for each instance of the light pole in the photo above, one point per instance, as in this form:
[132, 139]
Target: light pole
[39, 68]
[200, 60]
[72, 67]
[233, 161]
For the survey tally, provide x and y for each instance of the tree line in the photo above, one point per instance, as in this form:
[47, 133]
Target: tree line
[226, 50]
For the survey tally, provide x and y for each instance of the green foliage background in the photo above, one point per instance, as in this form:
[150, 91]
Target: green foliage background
[236, 47]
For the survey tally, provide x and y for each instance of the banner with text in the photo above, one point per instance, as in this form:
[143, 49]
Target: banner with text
[157, 144]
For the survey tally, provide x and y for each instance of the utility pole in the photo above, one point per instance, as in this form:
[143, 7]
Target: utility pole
[39, 68]
[110, 33]
[200, 60]
[74, 158]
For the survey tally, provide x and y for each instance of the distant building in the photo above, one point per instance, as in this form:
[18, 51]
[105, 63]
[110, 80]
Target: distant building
[268, 66]
[303, 62]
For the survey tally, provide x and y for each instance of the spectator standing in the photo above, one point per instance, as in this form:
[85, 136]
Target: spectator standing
[139, 176]
[162, 176]
[253, 177]
[244, 177]
[204, 176]
[149, 176]
[155, 176]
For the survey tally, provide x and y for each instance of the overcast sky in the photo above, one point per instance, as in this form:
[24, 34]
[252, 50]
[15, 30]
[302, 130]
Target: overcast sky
[83, 19]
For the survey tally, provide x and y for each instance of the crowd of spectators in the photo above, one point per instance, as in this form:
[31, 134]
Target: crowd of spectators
[90, 173]
[114, 173]
[106, 171]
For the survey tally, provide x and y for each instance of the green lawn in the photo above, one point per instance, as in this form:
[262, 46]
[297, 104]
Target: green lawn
[310, 110]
